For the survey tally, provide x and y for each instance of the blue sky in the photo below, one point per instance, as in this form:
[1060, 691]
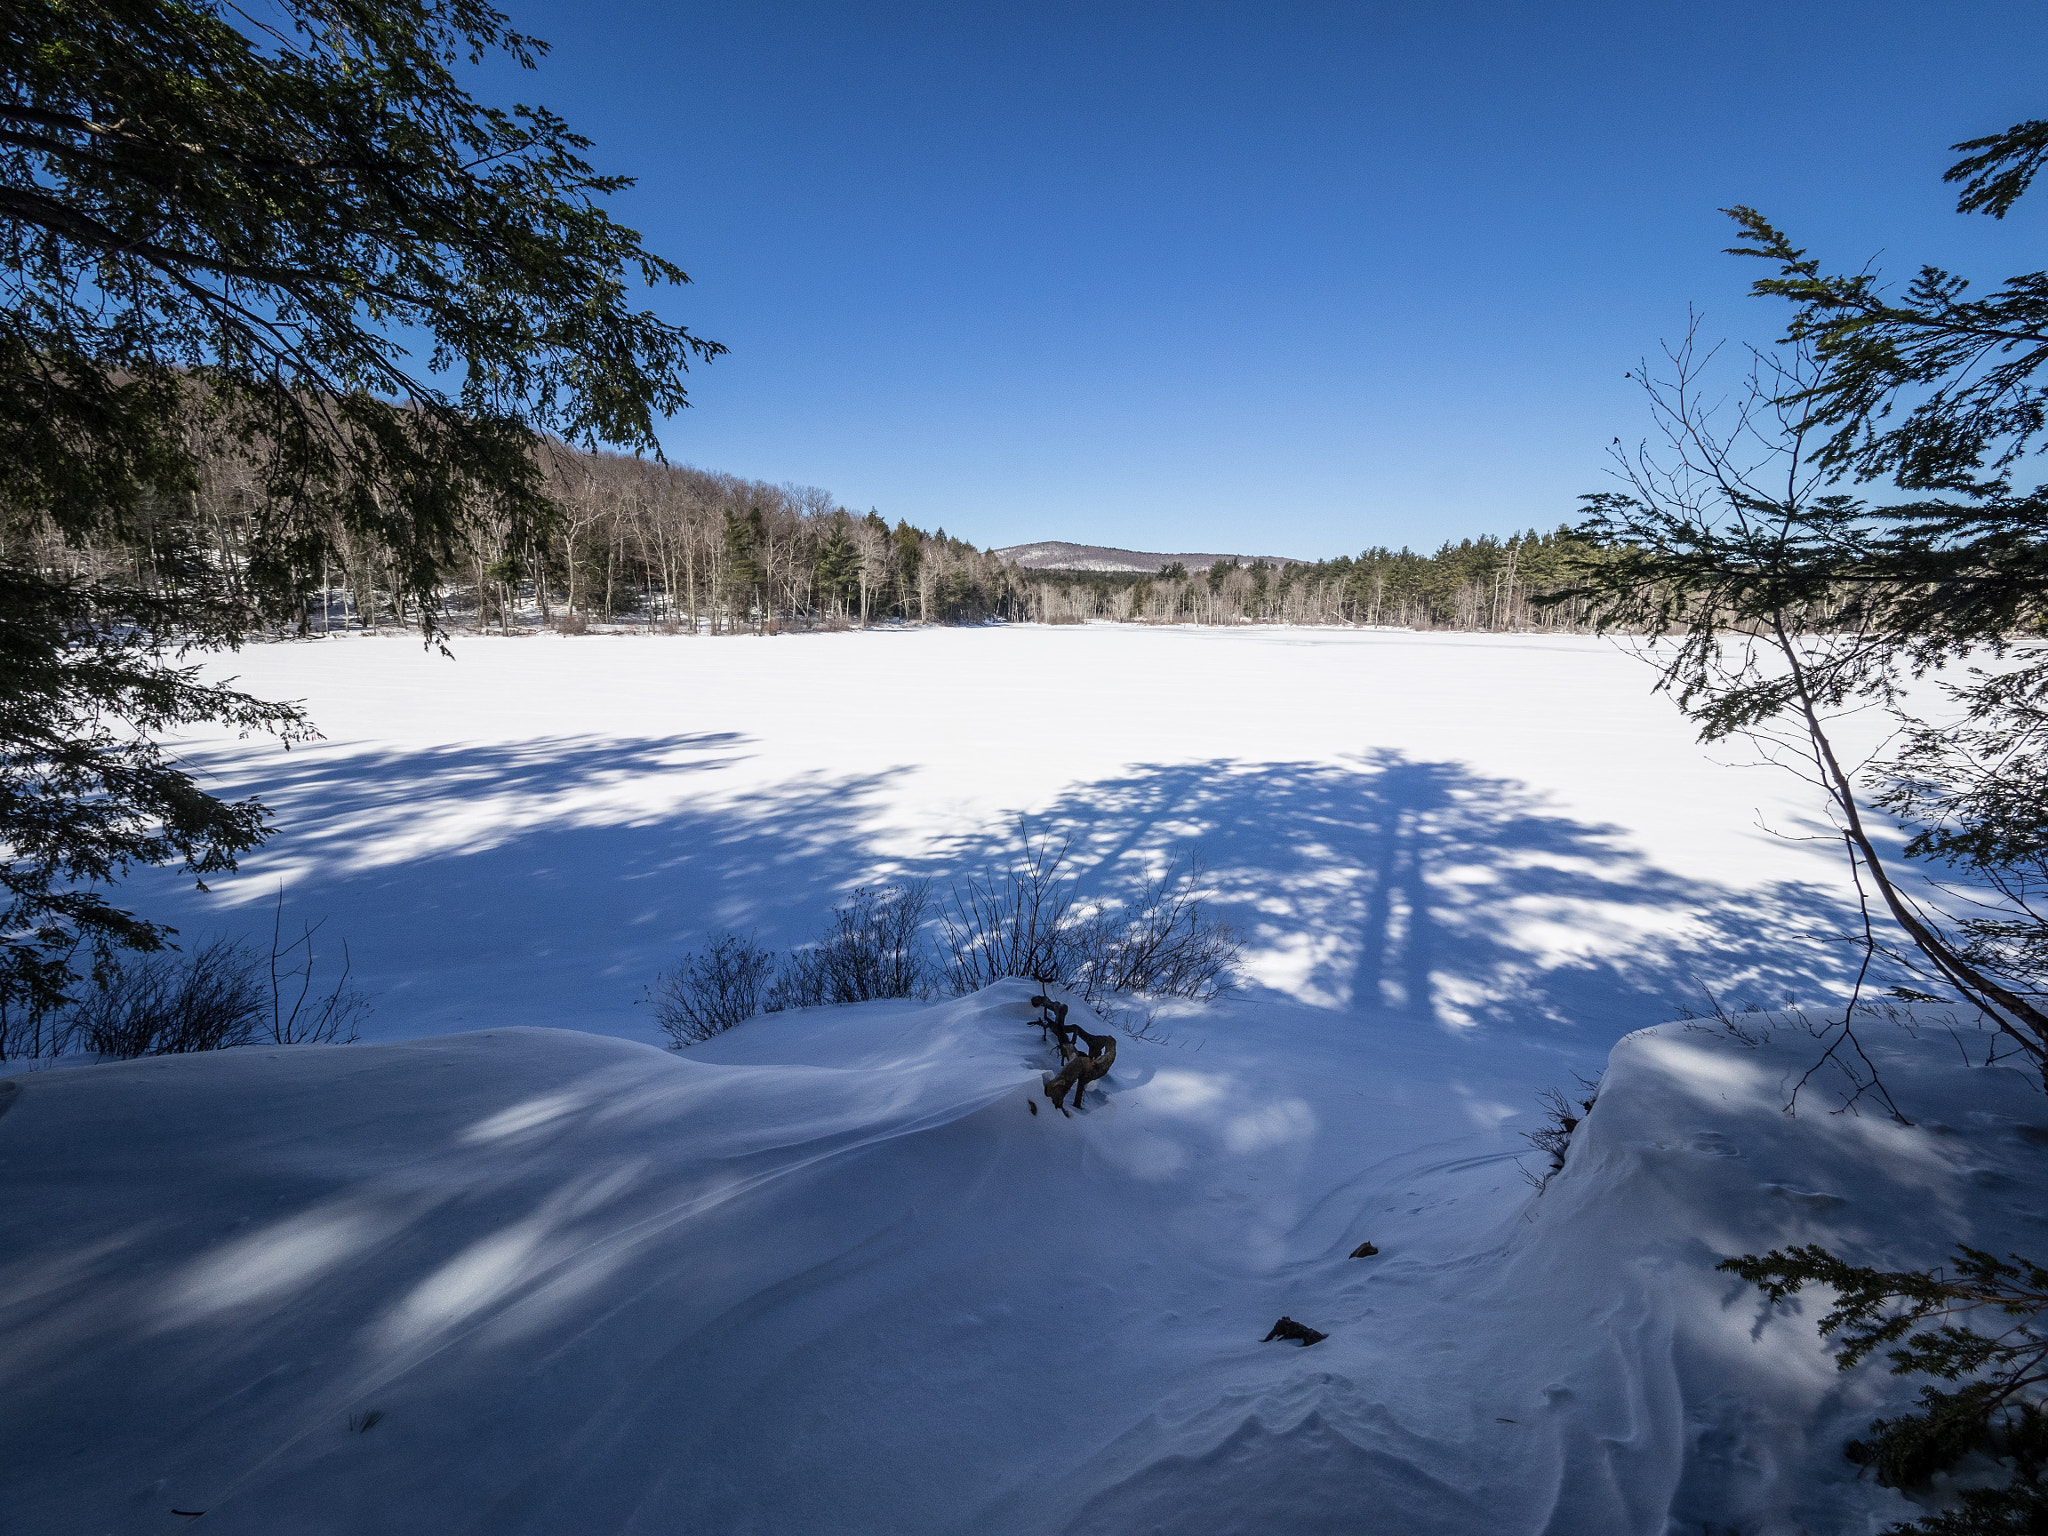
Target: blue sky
[1296, 278]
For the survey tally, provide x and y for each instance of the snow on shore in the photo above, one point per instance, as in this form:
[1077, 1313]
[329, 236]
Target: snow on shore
[829, 1273]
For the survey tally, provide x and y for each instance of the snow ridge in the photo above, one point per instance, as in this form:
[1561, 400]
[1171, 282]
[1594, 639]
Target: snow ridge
[831, 1271]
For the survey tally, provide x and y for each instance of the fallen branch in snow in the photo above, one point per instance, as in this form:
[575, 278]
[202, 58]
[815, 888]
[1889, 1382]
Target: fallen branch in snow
[1081, 1070]
[1052, 1021]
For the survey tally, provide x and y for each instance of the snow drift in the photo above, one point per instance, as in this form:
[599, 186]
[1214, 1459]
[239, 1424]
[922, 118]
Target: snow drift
[830, 1273]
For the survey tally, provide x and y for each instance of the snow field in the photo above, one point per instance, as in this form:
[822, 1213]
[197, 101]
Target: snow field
[828, 1272]
[1443, 831]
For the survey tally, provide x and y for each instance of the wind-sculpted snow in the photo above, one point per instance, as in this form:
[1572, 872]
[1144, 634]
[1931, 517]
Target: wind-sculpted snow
[830, 1273]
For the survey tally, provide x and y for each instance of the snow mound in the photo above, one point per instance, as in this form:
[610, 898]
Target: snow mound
[830, 1272]
[1697, 1401]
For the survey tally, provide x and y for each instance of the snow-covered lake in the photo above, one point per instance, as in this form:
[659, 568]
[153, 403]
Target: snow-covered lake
[1429, 832]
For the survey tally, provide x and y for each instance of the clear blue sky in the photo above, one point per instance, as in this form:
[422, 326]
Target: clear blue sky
[1296, 277]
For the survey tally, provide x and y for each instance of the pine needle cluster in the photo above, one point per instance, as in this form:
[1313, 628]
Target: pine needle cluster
[1995, 1406]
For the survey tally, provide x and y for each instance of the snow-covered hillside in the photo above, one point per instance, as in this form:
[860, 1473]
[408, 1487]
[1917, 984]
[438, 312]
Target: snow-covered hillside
[831, 1273]
[1058, 556]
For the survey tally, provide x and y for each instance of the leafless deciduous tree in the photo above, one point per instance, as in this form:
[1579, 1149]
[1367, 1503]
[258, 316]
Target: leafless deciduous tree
[638, 542]
[1735, 552]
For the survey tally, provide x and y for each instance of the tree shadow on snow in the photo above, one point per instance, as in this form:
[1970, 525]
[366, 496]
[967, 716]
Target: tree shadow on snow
[542, 882]
[545, 882]
[1427, 890]
[512, 1251]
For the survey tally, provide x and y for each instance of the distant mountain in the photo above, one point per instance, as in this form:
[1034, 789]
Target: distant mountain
[1097, 557]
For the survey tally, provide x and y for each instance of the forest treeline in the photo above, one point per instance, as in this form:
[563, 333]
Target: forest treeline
[639, 542]
[1486, 583]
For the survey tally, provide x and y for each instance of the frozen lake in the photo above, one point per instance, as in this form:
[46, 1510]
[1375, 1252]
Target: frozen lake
[1438, 831]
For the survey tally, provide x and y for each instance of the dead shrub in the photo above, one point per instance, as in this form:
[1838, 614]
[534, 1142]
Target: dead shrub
[875, 949]
[710, 991]
[1564, 1114]
[169, 1004]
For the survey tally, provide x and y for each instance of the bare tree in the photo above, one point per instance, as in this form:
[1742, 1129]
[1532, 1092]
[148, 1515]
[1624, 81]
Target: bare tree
[872, 545]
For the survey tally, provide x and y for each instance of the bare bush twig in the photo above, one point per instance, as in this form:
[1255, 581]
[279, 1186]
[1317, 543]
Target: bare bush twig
[1030, 920]
[875, 949]
[710, 991]
[328, 1019]
[1161, 944]
[1014, 922]
[166, 1005]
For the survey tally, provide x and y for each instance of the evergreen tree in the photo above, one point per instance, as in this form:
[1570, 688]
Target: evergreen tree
[1997, 1406]
[909, 554]
[838, 563]
[743, 571]
[216, 236]
[1935, 392]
